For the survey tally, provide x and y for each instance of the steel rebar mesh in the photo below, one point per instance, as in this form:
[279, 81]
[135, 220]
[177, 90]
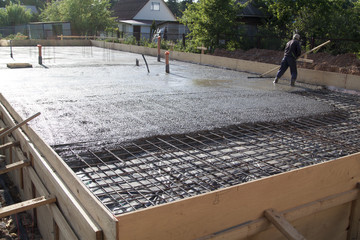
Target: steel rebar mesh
[163, 169]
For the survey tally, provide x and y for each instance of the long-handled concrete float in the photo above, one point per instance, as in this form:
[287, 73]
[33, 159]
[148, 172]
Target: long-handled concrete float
[299, 59]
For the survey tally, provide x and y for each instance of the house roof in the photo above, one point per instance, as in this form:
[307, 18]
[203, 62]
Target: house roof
[127, 9]
[250, 10]
[33, 9]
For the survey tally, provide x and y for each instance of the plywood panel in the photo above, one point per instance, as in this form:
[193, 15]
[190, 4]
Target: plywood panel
[353, 82]
[199, 216]
[334, 79]
[186, 57]
[230, 63]
[209, 60]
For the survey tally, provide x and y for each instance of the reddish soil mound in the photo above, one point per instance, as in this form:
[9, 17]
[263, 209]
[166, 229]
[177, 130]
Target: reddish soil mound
[344, 63]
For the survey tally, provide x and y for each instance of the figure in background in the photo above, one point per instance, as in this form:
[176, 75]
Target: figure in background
[292, 52]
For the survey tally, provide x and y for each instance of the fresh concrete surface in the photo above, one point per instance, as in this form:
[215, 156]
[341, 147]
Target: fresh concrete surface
[90, 94]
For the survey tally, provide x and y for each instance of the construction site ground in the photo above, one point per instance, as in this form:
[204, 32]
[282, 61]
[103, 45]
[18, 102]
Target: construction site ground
[89, 94]
[95, 100]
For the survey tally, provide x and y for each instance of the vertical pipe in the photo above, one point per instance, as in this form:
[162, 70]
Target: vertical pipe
[40, 54]
[167, 68]
[159, 44]
[11, 52]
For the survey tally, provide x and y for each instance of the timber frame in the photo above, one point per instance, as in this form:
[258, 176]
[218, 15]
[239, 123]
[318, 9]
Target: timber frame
[315, 202]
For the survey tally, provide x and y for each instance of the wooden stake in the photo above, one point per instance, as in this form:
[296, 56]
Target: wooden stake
[26, 205]
[3, 134]
[283, 225]
[3, 130]
[9, 145]
[14, 166]
[354, 230]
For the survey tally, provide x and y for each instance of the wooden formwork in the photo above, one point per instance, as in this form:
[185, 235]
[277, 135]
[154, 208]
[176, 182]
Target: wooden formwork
[316, 202]
[76, 213]
[319, 202]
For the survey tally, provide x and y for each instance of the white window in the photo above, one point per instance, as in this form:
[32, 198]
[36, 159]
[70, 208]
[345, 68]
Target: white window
[155, 6]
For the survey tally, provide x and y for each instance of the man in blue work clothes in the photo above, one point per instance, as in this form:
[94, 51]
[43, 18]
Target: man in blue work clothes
[292, 52]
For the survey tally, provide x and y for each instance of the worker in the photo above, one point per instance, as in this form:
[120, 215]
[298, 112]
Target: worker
[292, 52]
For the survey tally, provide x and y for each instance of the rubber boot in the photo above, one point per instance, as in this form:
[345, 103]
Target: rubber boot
[292, 83]
[275, 80]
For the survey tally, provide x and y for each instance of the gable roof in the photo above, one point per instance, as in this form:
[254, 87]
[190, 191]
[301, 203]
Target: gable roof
[127, 9]
[33, 9]
[250, 10]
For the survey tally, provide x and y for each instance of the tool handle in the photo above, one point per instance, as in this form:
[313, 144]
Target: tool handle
[315, 48]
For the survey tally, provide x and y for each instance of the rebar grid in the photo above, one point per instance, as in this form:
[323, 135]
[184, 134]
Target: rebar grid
[163, 169]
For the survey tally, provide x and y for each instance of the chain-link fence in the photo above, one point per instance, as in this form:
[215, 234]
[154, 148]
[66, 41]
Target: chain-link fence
[48, 30]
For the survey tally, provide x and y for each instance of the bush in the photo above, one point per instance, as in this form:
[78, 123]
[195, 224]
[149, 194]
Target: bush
[114, 40]
[131, 40]
[148, 43]
[18, 36]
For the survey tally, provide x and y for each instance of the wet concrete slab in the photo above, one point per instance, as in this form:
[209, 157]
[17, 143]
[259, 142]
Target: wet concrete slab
[90, 94]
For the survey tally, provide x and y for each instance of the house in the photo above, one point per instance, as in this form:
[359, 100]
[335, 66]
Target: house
[33, 9]
[251, 16]
[135, 18]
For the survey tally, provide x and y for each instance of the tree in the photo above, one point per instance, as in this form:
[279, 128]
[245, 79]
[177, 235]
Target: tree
[87, 17]
[37, 3]
[14, 14]
[174, 6]
[210, 21]
[4, 3]
[152, 29]
[324, 19]
[178, 7]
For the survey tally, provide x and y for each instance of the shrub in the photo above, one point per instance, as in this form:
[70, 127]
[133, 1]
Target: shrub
[18, 36]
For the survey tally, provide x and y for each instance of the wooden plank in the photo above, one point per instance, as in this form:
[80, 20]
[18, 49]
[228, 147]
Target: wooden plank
[63, 192]
[18, 65]
[59, 218]
[252, 227]
[3, 130]
[328, 224]
[18, 125]
[14, 166]
[26, 205]
[82, 222]
[240, 204]
[66, 182]
[355, 218]
[9, 145]
[283, 225]
[305, 60]
[71, 208]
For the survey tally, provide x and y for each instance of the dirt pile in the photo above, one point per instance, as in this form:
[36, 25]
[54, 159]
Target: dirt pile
[344, 63]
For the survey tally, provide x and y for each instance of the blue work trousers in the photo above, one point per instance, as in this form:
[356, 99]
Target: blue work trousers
[286, 62]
